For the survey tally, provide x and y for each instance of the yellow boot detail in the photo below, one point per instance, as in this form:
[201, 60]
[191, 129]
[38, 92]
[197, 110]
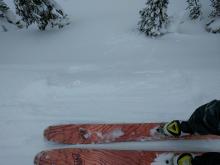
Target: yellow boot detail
[185, 159]
[173, 128]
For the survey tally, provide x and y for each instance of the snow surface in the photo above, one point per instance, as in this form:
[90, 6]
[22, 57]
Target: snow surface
[101, 69]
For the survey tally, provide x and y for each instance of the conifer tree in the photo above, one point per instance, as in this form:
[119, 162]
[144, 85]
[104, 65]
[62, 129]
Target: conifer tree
[154, 18]
[42, 12]
[194, 8]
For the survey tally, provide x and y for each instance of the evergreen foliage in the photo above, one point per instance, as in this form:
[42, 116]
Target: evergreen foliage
[194, 8]
[42, 12]
[3, 7]
[216, 8]
[9, 16]
[154, 18]
[214, 25]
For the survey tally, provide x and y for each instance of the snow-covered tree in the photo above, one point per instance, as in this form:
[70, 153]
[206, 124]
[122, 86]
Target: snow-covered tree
[42, 12]
[3, 6]
[214, 25]
[154, 18]
[194, 7]
[7, 15]
[216, 8]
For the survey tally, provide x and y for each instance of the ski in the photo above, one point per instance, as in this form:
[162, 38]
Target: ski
[70, 156]
[110, 133]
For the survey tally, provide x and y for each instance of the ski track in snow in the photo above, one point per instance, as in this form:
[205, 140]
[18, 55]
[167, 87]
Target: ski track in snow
[101, 69]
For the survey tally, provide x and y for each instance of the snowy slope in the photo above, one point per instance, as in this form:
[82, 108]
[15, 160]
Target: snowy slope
[101, 69]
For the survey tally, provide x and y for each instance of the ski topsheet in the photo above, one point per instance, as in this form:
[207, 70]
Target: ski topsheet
[108, 133]
[70, 156]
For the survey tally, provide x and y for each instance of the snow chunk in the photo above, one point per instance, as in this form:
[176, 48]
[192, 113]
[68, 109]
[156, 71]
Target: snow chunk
[107, 137]
[87, 135]
[166, 158]
[115, 133]
[111, 135]
[153, 131]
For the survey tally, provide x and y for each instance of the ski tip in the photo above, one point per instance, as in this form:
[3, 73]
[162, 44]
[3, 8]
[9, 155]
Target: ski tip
[38, 157]
[46, 157]
[46, 132]
[49, 133]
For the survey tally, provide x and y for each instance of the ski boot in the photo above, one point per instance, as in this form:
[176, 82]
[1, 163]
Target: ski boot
[183, 159]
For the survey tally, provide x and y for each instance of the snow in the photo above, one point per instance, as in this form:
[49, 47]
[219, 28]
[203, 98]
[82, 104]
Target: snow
[166, 158]
[107, 137]
[101, 69]
[113, 135]
[216, 24]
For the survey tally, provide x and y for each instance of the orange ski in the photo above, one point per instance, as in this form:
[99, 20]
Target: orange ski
[108, 133]
[103, 157]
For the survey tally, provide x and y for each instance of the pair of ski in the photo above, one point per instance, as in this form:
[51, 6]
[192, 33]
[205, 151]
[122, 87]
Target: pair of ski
[110, 133]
